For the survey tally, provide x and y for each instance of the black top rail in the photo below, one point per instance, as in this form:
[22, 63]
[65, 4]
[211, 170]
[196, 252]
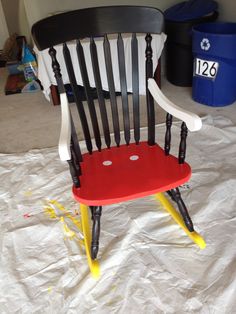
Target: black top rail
[95, 22]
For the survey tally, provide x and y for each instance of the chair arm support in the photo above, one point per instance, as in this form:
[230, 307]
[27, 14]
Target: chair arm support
[65, 134]
[193, 122]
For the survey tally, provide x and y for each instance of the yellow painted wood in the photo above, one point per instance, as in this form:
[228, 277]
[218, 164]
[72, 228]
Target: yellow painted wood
[93, 264]
[194, 236]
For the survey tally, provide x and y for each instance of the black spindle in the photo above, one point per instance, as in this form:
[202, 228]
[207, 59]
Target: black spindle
[75, 159]
[56, 69]
[73, 171]
[73, 165]
[96, 216]
[182, 145]
[123, 85]
[176, 196]
[110, 80]
[150, 102]
[168, 133]
[89, 96]
[135, 87]
[79, 104]
[101, 101]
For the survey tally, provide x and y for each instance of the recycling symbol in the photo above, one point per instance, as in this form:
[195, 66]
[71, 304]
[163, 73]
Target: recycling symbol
[205, 44]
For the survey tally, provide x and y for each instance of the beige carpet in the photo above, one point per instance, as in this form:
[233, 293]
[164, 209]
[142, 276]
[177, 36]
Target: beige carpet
[29, 121]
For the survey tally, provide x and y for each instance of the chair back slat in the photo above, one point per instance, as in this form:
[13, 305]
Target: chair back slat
[75, 143]
[101, 100]
[79, 104]
[150, 101]
[123, 86]
[111, 85]
[135, 87]
[89, 96]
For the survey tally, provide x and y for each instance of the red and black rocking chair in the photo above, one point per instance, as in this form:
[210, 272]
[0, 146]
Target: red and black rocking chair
[107, 174]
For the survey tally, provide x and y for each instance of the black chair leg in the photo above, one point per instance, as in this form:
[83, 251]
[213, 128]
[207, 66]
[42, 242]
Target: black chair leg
[91, 209]
[176, 196]
[96, 215]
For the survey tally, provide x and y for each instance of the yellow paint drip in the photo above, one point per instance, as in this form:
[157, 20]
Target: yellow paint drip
[93, 264]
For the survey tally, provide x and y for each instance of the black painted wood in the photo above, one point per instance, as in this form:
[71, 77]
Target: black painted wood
[79, 103]
[75, 147]
[95, 22]
[96, 217]
[76, 157]
[56, 70]
[89, 96]
[110, 79]
[168, 134]
[176, 196]
[101, 101]
[135, 87]
[75, 160]
[74, 172]
[123, 85]
[150, 101]
[182, 145]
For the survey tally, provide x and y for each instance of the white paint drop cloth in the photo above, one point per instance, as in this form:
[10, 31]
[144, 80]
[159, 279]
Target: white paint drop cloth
[148, 264]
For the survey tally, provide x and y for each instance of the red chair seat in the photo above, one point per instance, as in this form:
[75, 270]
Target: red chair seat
[128, 172]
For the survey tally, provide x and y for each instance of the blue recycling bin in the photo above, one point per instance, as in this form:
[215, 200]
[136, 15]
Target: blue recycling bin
[179, 20]
[214, 74]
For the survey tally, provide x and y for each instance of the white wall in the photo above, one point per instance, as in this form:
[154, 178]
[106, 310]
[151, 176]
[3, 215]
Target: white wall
[24, 28]
[38, 9]
[4, 33]
[22, 14]
[227, 10]
[15, 15]
[10, 9]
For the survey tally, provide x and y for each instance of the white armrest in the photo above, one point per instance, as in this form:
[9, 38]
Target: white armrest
[65, 135]
[193, 122]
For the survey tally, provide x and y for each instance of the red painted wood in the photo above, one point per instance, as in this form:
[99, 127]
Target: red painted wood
[127, 179]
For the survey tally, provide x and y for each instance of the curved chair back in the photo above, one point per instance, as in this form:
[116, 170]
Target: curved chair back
[101, 22]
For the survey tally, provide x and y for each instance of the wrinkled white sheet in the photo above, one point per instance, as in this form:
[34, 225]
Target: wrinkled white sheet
[148, 264]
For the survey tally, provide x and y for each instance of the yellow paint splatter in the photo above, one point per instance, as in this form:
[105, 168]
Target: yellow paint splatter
[68, 215]
[57, 211]
[50, 211]
[51, 208]
[67, 231]
[28, 193]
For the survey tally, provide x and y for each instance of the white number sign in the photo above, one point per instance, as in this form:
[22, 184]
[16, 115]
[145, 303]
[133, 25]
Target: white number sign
[206, 68]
